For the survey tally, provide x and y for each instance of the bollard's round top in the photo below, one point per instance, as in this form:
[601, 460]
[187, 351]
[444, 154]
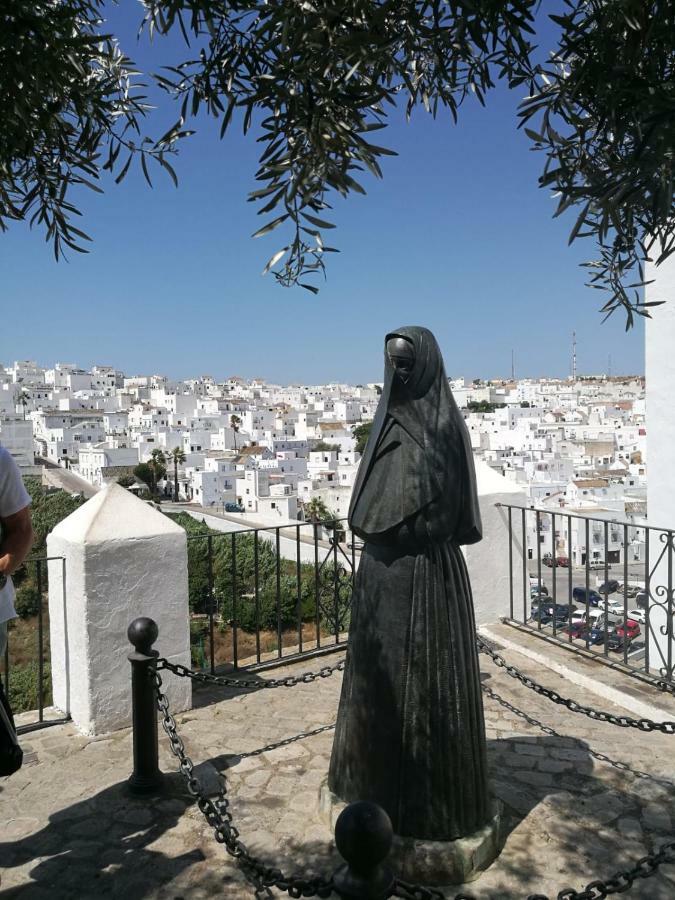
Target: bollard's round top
[142, 633]
[363, 836]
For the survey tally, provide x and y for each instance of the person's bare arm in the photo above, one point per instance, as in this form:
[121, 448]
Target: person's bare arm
[17, 539]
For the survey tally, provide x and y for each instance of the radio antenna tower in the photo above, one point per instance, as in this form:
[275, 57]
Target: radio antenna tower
[574, 356]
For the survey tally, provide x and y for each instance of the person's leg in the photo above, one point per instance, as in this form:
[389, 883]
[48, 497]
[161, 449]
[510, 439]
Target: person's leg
[3, 639]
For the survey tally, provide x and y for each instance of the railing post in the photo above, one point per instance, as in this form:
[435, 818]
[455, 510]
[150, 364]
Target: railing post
[363, 836]
[146, 776]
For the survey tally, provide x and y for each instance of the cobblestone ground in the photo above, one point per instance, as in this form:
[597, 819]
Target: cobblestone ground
[583, 799]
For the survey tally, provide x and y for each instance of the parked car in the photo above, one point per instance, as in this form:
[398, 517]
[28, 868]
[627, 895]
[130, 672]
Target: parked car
[608, 587]
[538, 591]
[629, 590]
[594, 598]
[546, 612]
[548, 561]
[562, 561]
[578, 630]
[597, 634]
[234, 507]
[593, 617]
[613, 618]
[639, 615]
[623, 636]
[630, 629]
[559, 610]
[616, 642]
[539, 610]
[614, 604]
[596, 564]
[642, 599]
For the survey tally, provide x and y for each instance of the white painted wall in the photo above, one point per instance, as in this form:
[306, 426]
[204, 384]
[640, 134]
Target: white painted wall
[660, 377]
[488, 560]
[123, 559]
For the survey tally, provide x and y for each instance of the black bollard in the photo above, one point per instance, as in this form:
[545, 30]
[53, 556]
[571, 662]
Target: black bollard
[146, 777]
[363, 836]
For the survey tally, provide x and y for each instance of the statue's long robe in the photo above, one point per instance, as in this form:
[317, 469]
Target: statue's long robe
[410, 733]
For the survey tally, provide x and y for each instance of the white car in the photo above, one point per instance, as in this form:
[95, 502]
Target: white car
[638, 614]
[614, 605]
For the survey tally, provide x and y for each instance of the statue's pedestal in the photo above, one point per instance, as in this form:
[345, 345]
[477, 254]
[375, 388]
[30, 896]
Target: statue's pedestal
[433, 862]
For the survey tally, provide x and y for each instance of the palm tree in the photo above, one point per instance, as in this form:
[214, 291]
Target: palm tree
[235, 422]
[316, 510]
[177, 456]
[157, 463]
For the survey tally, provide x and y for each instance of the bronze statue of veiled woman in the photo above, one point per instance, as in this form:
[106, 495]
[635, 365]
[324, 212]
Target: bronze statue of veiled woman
[410, 734]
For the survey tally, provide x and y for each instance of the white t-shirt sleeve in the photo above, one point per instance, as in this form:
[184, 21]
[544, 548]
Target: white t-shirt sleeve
[13, 494]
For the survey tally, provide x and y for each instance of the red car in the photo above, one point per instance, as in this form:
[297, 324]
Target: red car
[578, 630]
[562, 561]
[629, 630]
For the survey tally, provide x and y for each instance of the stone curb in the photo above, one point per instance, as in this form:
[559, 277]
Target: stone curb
[607, 692]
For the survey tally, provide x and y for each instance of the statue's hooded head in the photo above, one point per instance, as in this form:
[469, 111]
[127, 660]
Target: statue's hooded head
[427, 459]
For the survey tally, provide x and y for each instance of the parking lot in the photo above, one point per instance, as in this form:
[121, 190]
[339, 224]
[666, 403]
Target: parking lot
[604, 621]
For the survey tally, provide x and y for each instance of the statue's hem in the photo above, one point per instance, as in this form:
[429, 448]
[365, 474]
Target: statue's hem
[434, 862]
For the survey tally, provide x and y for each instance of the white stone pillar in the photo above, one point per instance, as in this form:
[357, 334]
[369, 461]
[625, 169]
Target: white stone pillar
[660, 377]
[121, 559]
[488, 560]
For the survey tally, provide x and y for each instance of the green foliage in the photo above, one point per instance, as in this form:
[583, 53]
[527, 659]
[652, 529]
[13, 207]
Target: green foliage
[322, 445]
[602, 111]
[27, 600]
[316, 511]
[198, 566]
[361, 433]
[235, 598]
[68, 109]
[524, 404]
[483, 406]
[24, 684]
[267, 616]
[151, 472]
[177, 457]
[318, 80]
[144, 473]
[126, 481]
[48, 508]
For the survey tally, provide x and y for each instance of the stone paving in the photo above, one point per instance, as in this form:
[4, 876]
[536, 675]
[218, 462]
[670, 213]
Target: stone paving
[583, 799]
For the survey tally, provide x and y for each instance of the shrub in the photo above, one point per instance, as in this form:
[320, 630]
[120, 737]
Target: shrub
[28, 599]
[24, 684]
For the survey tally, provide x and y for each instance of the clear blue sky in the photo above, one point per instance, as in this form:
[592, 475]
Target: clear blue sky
[457, 237]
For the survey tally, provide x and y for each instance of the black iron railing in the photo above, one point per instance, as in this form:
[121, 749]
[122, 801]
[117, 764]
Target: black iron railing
[27, 668]
[596, 584]
[258, 595]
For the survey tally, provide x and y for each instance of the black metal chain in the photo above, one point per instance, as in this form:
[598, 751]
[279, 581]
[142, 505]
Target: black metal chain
[623, 880]
[594, 890]
[249, 683]
[218, 815]
[596, 714]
